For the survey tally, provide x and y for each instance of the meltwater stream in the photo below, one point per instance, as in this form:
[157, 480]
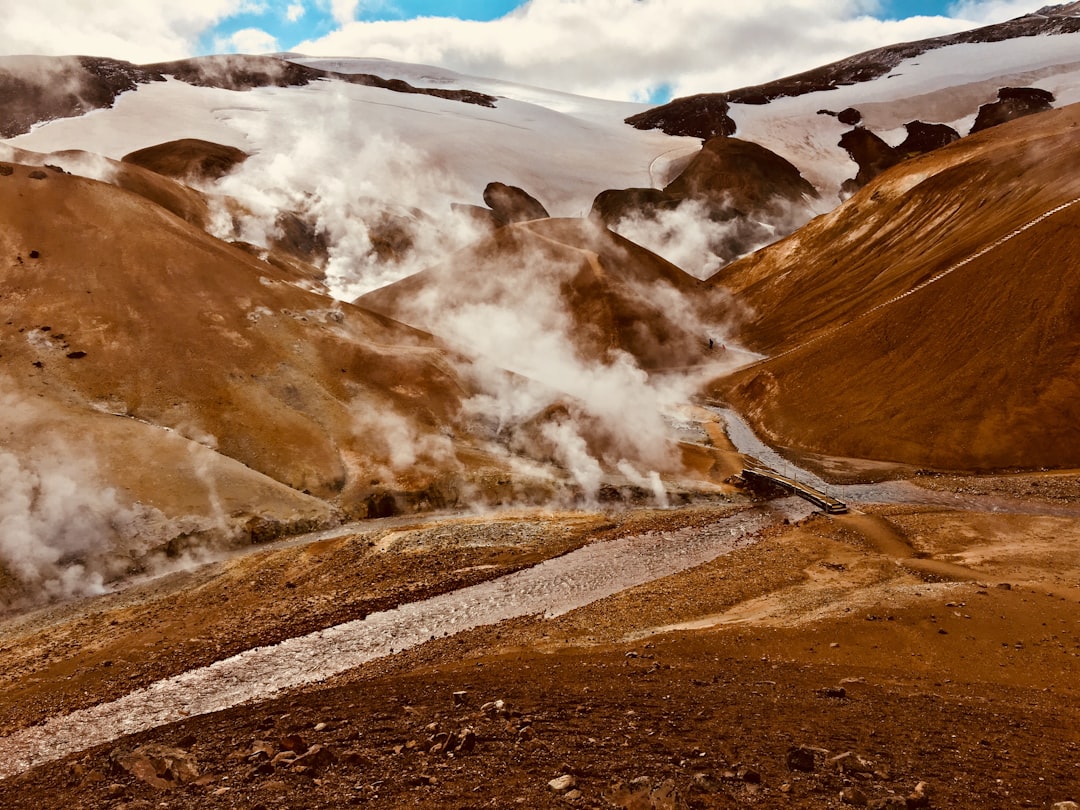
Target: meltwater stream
[551, 588]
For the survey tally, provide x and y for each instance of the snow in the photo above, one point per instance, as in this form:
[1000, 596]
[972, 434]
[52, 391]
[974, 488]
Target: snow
[944, 86]
[563, 149]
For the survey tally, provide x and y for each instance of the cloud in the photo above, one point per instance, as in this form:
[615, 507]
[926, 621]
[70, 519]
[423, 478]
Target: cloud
[248, 40]
[985, 12]
[628, 48]
[136, 30]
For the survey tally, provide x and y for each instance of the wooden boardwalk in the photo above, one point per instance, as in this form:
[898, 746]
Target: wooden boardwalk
[825, 502]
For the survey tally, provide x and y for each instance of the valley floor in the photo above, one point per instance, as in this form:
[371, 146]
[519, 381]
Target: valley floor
[939, 645]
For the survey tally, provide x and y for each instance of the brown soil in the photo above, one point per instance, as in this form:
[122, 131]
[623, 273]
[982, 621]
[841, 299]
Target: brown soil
[940, 646]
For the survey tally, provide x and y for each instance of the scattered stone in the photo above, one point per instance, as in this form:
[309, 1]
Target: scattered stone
[853, 796]
[460, 698]
[35, 254]
[321, 726]
[705, 783]
[468, 741]
[316, 757]
[284, 758]
[838, 692]
[850, 762]
[159, 766]
[115, 791]
[1005, 586]
[748, 775]
[1065, 806]
[561, 784]
[186, 742]
[573, 795]
[293, 742]
[920, 796]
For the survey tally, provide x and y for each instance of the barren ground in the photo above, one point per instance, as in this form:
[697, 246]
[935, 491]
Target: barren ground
[941, 646]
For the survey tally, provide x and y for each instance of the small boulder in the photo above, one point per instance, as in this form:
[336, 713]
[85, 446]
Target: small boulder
[561, 784]
[800, 758]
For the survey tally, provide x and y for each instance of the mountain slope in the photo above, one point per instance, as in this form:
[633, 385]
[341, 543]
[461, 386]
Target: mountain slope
[977, 369]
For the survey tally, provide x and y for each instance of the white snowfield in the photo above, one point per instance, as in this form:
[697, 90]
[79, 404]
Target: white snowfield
[563, 149]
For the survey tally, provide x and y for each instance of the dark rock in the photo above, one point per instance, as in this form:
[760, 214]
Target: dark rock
[460, 698]
[833, 692]
[870, 152]
[853, 796]
[849, 116]
[37, 174]
[702, 116]
[800, 758]
[468, 741]
[612, 205]
[512, 204]
[748, 775]
[186, 742]
[922, 138]
[6, 170]
[76, 355]
[381, 505]
[1012, 103]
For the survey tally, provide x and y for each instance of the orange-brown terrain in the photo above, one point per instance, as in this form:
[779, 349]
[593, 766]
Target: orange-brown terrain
[480, 539]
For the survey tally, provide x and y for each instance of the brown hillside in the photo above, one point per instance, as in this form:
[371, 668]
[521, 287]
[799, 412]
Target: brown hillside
[980, 369]
[111, 304]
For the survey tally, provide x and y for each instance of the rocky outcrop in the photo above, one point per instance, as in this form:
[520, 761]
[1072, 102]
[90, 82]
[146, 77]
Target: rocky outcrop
[1012, 103]
[871, 153]
[922, 138]
[512, 204]
[703, 116]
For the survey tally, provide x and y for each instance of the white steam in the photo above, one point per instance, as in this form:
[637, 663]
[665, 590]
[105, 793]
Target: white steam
[310, 165]
[690, 238]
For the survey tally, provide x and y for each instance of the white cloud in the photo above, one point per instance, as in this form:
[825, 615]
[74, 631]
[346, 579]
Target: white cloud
[136, 30]
[625, 48]
[248, 40]
[608, 48]
[984, 12]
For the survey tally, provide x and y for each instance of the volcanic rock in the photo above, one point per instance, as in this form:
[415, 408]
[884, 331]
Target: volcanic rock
[1012, 103]
[512, 204]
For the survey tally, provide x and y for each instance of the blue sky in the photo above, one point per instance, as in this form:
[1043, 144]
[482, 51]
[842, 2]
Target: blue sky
[637, 50]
